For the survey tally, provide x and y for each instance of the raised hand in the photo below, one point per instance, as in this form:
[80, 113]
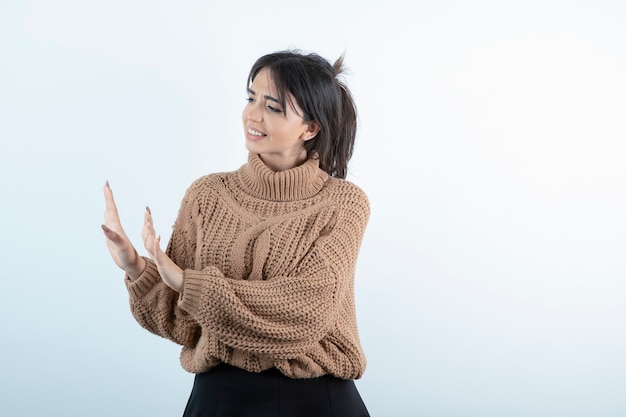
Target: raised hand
[171, 274]
[122, 251]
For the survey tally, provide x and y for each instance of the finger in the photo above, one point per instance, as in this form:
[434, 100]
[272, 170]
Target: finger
[147, 217]
[148, 227]
[148, 235]
[111, 215]
[108, 196]
[113, 236]
[148, 238]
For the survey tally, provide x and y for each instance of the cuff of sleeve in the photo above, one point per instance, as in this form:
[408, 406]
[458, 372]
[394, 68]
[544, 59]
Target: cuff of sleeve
[145, 282]
[189, 299]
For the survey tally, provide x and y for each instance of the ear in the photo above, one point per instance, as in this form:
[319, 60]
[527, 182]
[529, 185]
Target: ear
[312, 129]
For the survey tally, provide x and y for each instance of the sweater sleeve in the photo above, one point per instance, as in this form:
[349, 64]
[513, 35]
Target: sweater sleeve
[283, 316]
[152, 302]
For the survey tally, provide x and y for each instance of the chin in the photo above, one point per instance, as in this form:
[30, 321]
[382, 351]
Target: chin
[252, 147]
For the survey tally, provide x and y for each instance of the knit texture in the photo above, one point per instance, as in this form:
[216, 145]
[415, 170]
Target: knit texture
[268, 260]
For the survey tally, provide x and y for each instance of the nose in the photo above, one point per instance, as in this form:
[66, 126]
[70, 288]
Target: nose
[253, 112]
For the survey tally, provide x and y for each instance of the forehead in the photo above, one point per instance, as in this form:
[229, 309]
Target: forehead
[264, 81]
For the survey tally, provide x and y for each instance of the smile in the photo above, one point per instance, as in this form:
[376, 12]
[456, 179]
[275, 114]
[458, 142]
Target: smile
[255, 132]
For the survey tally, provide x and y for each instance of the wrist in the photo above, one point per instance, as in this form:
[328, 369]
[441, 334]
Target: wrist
[136, 270]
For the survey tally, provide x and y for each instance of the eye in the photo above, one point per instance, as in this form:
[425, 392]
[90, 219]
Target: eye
[249, 99]
[274, 109]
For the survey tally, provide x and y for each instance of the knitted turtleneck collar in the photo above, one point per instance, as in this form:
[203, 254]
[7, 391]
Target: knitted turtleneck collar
[303, 181]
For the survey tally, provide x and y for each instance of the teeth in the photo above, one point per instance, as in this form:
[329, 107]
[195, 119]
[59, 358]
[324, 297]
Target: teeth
[254, 132]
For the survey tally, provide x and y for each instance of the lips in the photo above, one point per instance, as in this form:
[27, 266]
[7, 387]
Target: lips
[255, 132]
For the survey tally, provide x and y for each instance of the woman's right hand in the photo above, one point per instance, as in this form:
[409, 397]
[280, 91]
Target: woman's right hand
[122, 251]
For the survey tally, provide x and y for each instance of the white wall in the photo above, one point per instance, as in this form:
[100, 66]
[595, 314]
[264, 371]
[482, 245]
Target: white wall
[491, 279]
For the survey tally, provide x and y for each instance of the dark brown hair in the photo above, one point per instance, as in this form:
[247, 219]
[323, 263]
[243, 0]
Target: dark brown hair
[314, 84]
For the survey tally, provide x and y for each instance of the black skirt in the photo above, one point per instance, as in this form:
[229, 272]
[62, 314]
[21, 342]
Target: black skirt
[227, 391]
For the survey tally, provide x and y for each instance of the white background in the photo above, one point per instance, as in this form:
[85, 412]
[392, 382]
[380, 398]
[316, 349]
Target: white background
[492, 141]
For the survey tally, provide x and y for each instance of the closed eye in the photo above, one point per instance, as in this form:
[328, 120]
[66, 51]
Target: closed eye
[269, 107]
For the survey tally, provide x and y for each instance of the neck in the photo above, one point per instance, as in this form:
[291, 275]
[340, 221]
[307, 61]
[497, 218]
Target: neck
[278, 163]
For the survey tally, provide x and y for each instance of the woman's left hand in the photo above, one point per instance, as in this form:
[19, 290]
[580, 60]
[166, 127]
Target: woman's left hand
[171, 274]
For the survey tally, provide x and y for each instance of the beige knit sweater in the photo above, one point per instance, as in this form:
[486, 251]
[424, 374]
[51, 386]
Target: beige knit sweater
[268, 260]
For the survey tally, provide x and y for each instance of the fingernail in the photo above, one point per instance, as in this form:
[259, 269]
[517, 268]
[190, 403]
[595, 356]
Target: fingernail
[148, 210]
[107, 184]
[106, 229]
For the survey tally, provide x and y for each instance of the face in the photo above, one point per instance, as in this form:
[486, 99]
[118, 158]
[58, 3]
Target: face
[277, 134]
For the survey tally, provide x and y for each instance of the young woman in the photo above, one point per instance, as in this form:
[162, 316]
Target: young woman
[257, 281]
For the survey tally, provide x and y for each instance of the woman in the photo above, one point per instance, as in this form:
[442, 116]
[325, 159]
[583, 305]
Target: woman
[256, 282]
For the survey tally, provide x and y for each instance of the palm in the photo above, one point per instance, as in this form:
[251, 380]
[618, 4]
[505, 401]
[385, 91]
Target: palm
[122, 251]
[170, 273]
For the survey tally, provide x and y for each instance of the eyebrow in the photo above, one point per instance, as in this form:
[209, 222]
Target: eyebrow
[251, 91]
